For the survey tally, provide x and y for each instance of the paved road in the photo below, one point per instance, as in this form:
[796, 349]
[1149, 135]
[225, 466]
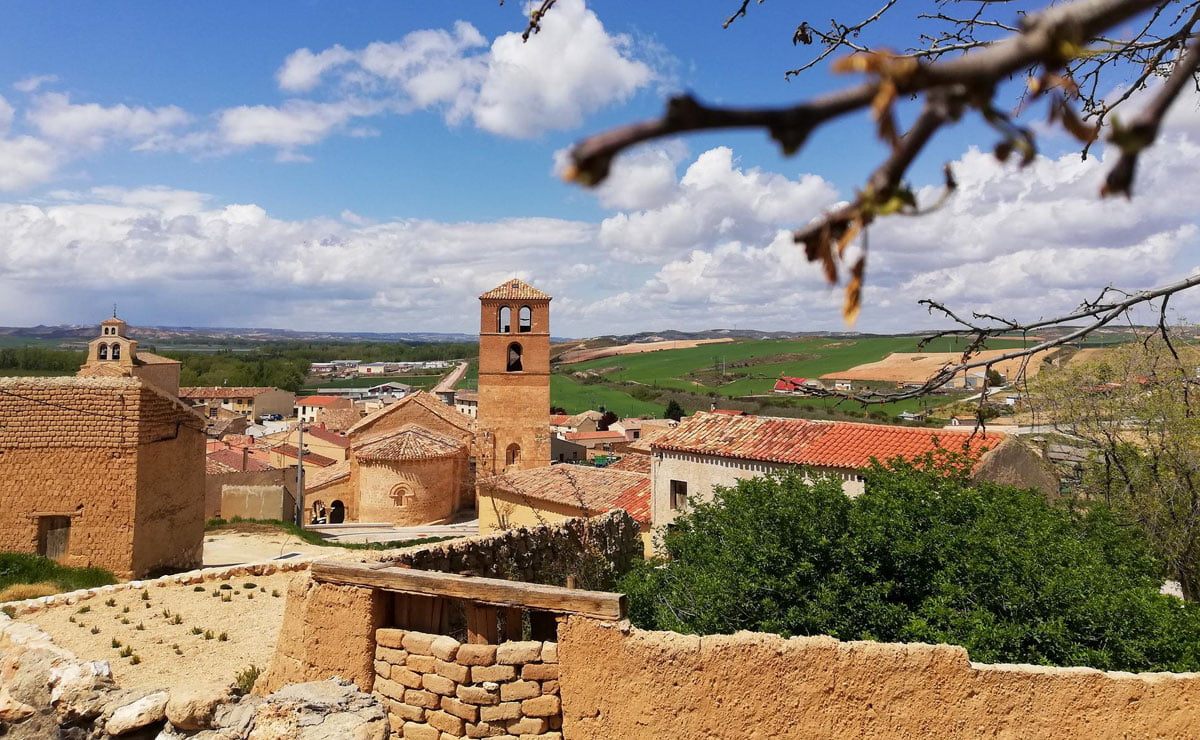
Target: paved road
[447, 383]
[380, 534]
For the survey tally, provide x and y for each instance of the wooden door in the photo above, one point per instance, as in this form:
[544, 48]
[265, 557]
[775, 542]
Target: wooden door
[54, 532]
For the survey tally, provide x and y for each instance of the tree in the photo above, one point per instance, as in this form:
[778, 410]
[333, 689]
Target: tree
[674, 410]
[606, 421]
[922, 555]
[1070, 58]
[1137, 408]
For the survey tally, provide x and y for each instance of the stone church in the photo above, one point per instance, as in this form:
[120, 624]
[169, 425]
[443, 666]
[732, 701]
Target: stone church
[415, 461]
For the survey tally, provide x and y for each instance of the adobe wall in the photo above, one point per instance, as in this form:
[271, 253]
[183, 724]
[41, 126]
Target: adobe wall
[256, 502]
[213, 485]
[164, 375]
[432, 489]
[622, 682]
[436, 687]
[169, 526]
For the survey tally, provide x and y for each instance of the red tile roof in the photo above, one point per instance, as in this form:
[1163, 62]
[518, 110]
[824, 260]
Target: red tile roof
[214, 391]
[594, 436]
[325, 435]
[729, 412]
[830, 444]
[232, 459]
[515, 290]
[310, 458]
[317, 400]
[409, 442]
[425, 400]
[589, 489]
[634, 462]
[790, 384]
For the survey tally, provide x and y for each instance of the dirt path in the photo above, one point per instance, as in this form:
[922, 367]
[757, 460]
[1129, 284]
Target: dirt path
[451, 379]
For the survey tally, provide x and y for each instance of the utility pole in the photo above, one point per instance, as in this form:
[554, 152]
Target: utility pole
[300, 473]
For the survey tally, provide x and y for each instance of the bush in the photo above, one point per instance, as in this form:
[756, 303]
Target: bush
[923, 556]
[243, 682]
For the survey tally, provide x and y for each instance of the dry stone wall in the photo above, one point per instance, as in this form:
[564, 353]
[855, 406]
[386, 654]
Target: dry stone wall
[436, 688]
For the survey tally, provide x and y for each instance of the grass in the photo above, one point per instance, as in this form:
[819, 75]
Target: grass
[240, 524]
[815, 356]
[19, 569]
[575, 397]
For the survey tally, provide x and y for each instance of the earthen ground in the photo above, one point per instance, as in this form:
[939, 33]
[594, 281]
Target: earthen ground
[917, 367]
[251, 626]
[583, 355]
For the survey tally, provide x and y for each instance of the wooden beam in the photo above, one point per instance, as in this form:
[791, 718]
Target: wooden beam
[595, 604]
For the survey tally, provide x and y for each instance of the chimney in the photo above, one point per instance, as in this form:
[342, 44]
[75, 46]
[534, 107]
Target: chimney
[712, 406]
[245, 457]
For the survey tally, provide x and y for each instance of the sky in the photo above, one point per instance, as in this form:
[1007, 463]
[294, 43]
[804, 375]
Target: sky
[374, 166]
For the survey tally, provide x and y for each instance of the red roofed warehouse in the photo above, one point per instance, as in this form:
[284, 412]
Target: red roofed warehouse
[708, 450]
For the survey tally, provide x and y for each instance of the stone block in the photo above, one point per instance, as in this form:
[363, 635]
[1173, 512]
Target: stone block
[481, 673]
[542, 706]
[446, 722]
[453, 671]
[406, 712]
[438, 684]
[444, 647]
[391, 655]
[543, 736]
[526, 726]
[550, 652]
[418, 642]
[415, 731]
[389, 638]
[422, 699]
[549, 687]
[513, 653]
[389, 689]
[474, 655]
[518, 690]
[502, 711]
[383, 669]
[486, 729]
[540, 671]
[406, 678]
[468, 712]
[478, 695]
[422, 663]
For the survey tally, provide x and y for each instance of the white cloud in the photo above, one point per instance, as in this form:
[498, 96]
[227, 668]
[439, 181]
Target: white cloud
[714, 202]
[91, 125]
[296, 123]
[25, 162]
[642, 179]
[30, 84]
[573, 68]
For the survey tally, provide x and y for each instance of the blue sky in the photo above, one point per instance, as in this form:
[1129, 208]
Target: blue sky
[374, 165]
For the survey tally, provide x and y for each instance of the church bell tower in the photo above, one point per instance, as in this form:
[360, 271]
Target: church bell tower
[514, 378]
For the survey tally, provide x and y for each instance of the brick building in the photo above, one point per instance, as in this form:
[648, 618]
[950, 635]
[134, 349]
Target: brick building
[102, 471]
[114, 354]
[514, 379]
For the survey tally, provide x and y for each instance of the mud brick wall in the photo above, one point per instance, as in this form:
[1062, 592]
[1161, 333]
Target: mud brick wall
[436, 688]
[121, 460]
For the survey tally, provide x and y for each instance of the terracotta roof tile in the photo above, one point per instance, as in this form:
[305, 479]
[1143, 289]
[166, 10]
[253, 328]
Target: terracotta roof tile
[310, 458]
[594, 436]
[409, 442]
[232, 459]
[338, 420]
[326, 435]
[804, 442]
[633, 462]
[515, 290]
[317, 400]
[334, 472]
[424, 399]
[594, 490]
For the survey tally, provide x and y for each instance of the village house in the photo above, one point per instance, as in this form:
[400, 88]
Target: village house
[285, 455]
[552, 494]
[467, 402]
[596, 443]
[631, 428]
[569, 452]
[708, 450]
[796, 385]
[322, 441]
[585, 421]
[378, 368]
[248, 401]
[339, 420]
[308, 407]
[103, 470]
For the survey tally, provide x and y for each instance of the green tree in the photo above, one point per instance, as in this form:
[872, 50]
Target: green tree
[922, 555]
[1137, 407]
[674, 410]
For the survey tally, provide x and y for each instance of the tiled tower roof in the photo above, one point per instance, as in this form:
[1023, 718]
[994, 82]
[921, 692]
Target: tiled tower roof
[514, 290]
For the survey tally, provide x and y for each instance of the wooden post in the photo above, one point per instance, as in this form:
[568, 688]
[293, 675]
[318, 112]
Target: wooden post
[513, 623]
[481, 624]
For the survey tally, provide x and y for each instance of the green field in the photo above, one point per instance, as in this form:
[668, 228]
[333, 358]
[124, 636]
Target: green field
[809, 358]
[575, 397]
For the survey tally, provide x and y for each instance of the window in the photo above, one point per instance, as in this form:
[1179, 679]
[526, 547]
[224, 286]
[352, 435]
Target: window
[102, 353]
[401, 495]
[525, 319]
[512, 455]
[116, 351]
[678, 494]
[504, 320]
[514, 358]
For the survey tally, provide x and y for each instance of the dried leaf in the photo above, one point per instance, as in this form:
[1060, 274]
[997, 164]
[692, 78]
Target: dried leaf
[802, 35]
[848, 235]
[853, 302]
[1071, 122]
[881, 110]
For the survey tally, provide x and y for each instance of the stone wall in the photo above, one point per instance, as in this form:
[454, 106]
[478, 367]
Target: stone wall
[214, 484]
[437, 688]
[409, 492]
[618, 682]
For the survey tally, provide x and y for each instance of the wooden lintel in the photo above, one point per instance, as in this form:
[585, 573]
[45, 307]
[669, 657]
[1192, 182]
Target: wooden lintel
[595, 604]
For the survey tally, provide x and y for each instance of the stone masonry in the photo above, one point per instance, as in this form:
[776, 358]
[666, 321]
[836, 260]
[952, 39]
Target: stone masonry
[436, 688]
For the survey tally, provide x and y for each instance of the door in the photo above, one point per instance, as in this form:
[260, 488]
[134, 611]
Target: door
[54, 532]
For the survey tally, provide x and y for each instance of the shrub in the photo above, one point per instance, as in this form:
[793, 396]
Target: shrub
[198, 588]
[145, 595]
[126, 651]
[83, 610]
[95, 630]
[134, 660]
[922, 556]
[116, 643]
[249, 586]
[22, 591]
[110, 602]
[243, 682]
[21, 568]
